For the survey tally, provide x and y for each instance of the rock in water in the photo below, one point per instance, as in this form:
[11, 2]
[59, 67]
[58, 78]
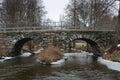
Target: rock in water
[50, 54]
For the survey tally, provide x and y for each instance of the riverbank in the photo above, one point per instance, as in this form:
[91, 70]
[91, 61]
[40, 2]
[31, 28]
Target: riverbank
[110, 64]
[115, 56]
[111, 58]
[113, 53]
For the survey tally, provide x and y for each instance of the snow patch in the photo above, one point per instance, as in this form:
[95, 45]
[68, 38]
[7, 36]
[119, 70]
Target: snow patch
[60, 61]
[38, 51]
[110, 64]
[26, 54]
[23, 55]
[5, 58]
[118, 45]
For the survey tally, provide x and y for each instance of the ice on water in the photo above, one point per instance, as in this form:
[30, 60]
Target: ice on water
[110, 64]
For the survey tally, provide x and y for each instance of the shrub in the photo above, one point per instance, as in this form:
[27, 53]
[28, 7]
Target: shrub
[50, 54]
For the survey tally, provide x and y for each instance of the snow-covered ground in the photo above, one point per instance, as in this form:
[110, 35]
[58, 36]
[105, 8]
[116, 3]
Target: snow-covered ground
[110, 64]
[5, 58]
[23, 55]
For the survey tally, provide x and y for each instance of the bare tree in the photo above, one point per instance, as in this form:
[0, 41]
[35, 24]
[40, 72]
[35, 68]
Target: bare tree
[16, 13]
[88, 13]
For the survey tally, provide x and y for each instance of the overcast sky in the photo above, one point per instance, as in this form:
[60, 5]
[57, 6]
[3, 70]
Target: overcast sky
[55, 8]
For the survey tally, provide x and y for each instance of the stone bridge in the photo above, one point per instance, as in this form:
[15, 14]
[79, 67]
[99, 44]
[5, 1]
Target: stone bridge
[64, 39]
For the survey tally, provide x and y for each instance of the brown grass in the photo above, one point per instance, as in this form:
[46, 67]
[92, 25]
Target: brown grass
[115, 54]
[50, 54]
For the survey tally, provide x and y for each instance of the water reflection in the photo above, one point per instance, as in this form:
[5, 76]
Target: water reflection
[80, 59]
[77, 67]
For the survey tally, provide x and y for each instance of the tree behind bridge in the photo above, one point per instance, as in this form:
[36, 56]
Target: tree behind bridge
[89, 13]
[21, 13]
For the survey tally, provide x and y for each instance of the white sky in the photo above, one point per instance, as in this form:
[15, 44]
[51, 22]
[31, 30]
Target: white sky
[55, 8]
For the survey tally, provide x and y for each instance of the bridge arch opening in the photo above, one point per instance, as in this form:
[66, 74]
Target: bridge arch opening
[93, 44]
[16, 50]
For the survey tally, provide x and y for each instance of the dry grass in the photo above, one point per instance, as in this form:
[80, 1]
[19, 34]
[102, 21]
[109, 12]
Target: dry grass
[4, 51]
[115, 56]
[50, 54]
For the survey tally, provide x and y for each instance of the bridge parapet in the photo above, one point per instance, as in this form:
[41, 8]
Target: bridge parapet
[48, 26]
[38, 29]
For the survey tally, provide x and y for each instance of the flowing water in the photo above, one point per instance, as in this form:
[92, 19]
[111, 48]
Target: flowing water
[77, 67]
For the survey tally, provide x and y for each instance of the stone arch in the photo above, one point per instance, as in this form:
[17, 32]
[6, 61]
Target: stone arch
[92, 43]
[63, 44]
[16, 50]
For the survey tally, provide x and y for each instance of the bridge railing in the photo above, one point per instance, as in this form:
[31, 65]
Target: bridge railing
[49, 26]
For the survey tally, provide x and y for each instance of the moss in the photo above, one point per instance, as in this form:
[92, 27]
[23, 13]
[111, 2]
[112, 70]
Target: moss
[116, 59]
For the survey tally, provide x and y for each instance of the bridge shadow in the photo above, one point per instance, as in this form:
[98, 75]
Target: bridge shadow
[93, 44]
[16, 50]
